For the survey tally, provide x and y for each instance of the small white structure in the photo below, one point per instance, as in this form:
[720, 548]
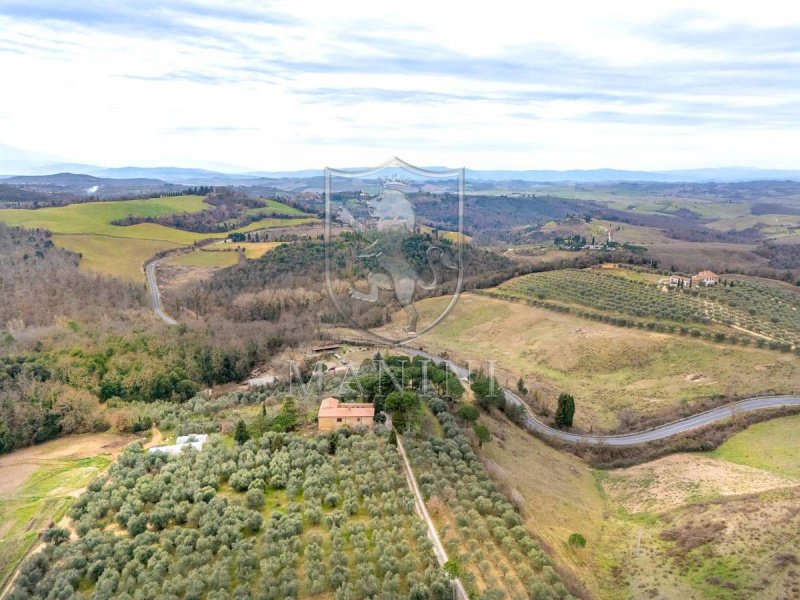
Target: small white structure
[195, 440]
[262, 380]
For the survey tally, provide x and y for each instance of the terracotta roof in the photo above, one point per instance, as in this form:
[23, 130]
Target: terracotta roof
[705, 274]
[331, 407]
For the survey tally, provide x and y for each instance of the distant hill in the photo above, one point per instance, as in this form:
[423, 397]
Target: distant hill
[170, 174]
[79, 185]
[15, 161]
[77, 179]
[721, 175]
[11, 196]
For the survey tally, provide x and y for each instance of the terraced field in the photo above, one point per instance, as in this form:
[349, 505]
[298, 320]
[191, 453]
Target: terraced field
[747, 311]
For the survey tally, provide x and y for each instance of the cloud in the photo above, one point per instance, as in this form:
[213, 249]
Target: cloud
[144, 16]
[190, 129]
[579, 85]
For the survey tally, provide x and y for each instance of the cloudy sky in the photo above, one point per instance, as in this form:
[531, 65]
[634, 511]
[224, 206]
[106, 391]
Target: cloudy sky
[254, 85]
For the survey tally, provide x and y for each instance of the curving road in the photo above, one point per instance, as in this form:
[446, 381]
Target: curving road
[155, 295]
[629, 439]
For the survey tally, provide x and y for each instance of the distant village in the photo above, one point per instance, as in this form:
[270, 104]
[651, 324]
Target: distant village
[579, 242]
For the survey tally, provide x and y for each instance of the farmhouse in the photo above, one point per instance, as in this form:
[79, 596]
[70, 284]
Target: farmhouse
[705, 278]
[334, 414]
[680, 281]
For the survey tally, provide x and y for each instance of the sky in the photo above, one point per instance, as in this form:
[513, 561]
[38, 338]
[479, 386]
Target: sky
[489, 85]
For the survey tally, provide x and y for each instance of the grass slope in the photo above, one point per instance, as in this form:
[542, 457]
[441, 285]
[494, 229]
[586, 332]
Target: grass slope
[109, 255]
[771, 446]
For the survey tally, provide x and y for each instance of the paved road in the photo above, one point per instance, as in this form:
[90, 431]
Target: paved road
[422, 511]
[155, 295]
[630, 439]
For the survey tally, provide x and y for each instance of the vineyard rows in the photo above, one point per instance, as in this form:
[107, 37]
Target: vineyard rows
[761, 310]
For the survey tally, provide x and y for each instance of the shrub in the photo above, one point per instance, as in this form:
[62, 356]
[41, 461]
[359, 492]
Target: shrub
[576, 540]
[565, 411]
[468, 412]
[254, 498]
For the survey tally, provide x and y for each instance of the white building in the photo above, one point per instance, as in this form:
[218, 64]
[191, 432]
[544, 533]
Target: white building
[195, 440]
[262, 380]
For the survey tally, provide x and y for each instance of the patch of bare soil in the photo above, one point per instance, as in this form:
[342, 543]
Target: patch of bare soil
[15, 468]
[156, 438]
[68, 524]
[669, 482]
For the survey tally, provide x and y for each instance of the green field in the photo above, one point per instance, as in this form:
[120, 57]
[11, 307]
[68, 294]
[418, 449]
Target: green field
[122, 257]
[772, 446]
[96, 217]
[120, 250]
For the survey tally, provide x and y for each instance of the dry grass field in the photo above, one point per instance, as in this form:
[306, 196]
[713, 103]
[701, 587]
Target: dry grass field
[202, 259]
[607, 368]
[251, 249]
[710, 528]
[535, 255]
